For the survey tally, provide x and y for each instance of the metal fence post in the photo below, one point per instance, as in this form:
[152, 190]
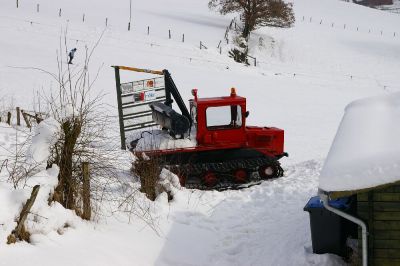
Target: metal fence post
[119, 100]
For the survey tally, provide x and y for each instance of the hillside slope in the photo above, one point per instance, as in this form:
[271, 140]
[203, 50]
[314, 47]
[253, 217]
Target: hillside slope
[304, 77]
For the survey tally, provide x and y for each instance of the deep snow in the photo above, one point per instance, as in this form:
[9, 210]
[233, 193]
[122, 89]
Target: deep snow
[365, 152]
[305, 77]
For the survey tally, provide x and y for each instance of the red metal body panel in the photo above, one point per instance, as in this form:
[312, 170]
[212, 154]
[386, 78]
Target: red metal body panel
[268, 140]
[221, 138]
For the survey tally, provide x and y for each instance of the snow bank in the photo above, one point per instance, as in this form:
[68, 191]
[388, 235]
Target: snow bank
[366, 150]
[48, 219]
[43, 219]
[43, 139]
[160, 139]
[169, 182]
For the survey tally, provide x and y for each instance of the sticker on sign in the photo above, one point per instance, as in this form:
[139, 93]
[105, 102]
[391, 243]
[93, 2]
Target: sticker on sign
[150, 95]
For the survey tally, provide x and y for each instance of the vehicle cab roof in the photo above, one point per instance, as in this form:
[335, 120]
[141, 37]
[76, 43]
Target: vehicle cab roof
[224, 100]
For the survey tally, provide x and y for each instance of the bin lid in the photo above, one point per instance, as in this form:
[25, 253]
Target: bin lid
[340, 203]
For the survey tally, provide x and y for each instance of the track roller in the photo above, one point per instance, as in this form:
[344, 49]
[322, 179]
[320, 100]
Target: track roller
[268, 171]
[241, 176]
[210, 179]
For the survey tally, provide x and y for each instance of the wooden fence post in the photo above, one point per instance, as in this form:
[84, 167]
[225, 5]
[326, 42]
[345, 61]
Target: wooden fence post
[106, 22]
[38, 118]
[148, 30]
[255, 59]
[19, 232]
[83, 17]
[59, 13]
[219, 44]
[17, 4]
[129, 26]
[28, 124]
[169, 34]
[18, 116]
[87, 211]
[183, 37]
[9, 118]
[37, 8]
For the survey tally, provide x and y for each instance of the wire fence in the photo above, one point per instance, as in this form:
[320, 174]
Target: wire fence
[234, 25]
[345, 26]
[106, 24]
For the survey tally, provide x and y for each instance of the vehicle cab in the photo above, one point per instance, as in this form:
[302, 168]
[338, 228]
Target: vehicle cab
[220, 121]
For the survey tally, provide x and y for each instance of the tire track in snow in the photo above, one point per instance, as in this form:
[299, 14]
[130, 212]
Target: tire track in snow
[266, 224]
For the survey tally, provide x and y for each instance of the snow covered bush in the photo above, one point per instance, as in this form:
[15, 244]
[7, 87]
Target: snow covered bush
[26, 150]
[155, 181]
[148, 170]
[240, 51]
[168, 183]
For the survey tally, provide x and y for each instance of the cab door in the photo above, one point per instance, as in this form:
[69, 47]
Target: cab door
[224, 125]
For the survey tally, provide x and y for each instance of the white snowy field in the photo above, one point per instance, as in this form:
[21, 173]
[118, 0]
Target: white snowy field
[335, 53]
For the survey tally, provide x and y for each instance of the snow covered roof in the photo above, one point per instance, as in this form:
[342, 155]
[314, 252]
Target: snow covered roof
[366, 150]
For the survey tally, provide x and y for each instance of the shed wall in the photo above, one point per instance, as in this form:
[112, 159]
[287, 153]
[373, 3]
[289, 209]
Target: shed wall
[380, 209]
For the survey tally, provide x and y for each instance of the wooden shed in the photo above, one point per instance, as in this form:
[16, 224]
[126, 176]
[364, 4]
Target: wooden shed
[364, 160]
[380, 209]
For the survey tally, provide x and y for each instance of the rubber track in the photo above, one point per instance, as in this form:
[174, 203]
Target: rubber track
[224, 170]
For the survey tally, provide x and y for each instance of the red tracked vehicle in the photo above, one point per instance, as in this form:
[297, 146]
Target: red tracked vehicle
[228, 154]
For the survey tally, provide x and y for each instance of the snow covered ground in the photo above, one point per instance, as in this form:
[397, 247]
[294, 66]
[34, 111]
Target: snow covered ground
[305, 76]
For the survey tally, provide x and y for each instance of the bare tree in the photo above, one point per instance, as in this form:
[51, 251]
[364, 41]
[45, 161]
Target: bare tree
[87, 135]
[257, 13]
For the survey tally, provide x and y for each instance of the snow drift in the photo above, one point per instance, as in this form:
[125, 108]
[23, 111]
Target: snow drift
[366, 149]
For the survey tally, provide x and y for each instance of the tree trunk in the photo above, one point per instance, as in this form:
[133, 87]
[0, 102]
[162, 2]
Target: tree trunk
[249, 23]
[246, 30]
[66, 187]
